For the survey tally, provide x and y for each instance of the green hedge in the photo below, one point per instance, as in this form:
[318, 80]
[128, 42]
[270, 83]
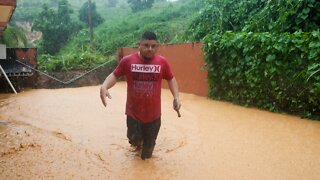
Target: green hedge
[82, 60]
[278, 72]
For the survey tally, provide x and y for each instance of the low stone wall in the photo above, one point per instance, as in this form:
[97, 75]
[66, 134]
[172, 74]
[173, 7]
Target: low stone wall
[93, 78]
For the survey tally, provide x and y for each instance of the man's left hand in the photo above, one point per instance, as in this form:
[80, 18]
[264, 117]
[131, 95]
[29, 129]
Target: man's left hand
[177, 106]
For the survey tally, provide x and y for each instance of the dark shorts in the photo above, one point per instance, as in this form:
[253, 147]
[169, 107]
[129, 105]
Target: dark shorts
[144, 134]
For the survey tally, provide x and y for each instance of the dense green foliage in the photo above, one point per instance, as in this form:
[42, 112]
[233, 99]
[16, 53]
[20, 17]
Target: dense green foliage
[166, 22]
[219, 16]
[139, 5]
[263, 53]
[26, 10]
[269, 70]
[82, 60]
[56, 27]
[84, 14]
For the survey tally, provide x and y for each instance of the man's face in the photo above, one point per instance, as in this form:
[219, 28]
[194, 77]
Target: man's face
[147, 49]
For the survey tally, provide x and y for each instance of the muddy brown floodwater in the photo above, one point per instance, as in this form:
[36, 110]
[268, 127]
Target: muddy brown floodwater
[68, 134]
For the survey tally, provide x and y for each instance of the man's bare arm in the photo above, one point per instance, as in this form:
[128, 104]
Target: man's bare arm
[173, 86]
[108, 83]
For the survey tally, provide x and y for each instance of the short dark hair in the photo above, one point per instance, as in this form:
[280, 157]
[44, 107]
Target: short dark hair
[148, 35]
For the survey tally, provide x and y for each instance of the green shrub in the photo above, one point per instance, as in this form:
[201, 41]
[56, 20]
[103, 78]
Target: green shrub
[278, 72]
[14, 37]
[82, 60]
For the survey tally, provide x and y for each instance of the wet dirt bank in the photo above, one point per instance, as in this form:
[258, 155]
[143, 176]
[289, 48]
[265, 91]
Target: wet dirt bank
[68, 134]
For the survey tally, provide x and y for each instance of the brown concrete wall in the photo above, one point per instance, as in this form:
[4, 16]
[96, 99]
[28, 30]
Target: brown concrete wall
[186, 61]
[27, 55]
[20, 82]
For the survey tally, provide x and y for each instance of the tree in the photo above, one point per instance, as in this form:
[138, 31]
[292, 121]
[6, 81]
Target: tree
[138, 5]
[56, 27]
[84, 14]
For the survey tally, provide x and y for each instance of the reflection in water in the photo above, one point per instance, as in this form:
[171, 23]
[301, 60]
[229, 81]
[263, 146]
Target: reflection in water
[68, 134]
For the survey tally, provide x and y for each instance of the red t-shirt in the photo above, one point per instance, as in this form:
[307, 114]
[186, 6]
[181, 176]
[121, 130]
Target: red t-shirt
[143, 85]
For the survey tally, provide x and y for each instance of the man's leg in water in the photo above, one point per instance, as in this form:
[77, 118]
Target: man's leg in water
[149, 134]
[134, 132]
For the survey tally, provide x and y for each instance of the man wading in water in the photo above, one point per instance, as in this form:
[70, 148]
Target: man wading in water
[144, 71]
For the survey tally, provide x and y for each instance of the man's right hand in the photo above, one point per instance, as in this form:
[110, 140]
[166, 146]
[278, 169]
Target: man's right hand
[107, 84]
[104, 93]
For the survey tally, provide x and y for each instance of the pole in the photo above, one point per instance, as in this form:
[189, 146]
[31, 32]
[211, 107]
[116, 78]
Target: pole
[90, 23]
[5, 75]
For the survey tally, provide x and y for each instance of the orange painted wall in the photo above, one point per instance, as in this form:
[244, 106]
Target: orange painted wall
[186, 61]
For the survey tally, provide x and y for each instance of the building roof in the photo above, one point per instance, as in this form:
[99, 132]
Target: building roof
[7, 8]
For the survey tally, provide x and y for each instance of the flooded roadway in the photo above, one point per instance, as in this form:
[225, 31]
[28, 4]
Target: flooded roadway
[68, 134]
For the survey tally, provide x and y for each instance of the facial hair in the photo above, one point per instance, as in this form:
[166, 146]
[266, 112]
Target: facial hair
[146, 59]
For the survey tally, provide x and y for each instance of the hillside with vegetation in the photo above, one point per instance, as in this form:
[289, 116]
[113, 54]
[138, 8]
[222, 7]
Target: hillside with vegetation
[65, 43]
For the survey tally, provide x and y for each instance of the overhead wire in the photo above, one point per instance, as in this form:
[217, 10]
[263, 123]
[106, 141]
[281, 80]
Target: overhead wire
[68, 81]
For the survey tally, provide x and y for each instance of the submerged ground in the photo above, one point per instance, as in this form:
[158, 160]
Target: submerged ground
[68, 134]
